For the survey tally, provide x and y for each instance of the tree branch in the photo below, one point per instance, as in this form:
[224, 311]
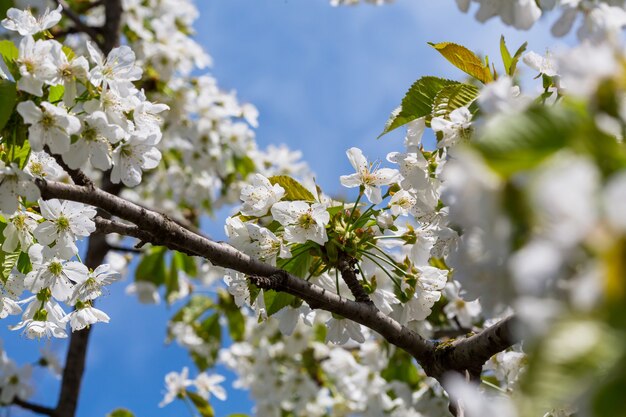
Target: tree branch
[80, 26]
[36, 408]
[468, 354]
[168, 233]
[111, 29]
[346, 267]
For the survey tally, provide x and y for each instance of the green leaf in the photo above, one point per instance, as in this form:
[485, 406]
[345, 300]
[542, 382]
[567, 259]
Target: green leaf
[465, 60]
[401, 368]
[506, 55]
[236, 322]
[120, 412]
[20, 154]
[293, 189]
[521, 141]
[8, 263]
[276, 301]
[69, 52]
[298, 265]
[56, 93]
[4, 6]
[195, 307]
[172, 285]
[417, 102]
[188, 263]
[516, 58]
[202, 405]
[453, 97]
[152, 266]
[23, 263]
[9, 53]
[244, 166]
[8, 100]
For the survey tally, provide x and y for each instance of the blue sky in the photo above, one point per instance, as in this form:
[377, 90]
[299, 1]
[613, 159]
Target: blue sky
[324, 79]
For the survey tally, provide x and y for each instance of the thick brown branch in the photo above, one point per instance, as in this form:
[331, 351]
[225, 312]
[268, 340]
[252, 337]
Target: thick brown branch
[36, 408]
[464, 355]
[111, 29]
[470, 354]
[170, 234]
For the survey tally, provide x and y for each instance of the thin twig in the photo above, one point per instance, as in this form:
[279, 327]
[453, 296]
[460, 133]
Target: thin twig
[75, 18]
[36, 408]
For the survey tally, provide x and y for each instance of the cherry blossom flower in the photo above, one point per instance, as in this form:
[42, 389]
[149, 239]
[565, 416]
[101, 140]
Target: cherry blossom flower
[454, 128]
[146, 292]
[176, 384]
[19, 231]
[53, 273]
[35, 65]
[95, 142]
[302, 221]
[91, 288]
[341, 330]
[367, 176]
[65, 221]
[117, 71]
[133, 156]
[260, 196]
[15, 183]
[50, 125]
[209, 384]
[85, 317]
[15, 382]
[24, 23]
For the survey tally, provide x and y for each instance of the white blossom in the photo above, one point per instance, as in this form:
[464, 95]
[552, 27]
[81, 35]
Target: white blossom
[302, 221]
[50, 125]
[23, 21]
[367, 176]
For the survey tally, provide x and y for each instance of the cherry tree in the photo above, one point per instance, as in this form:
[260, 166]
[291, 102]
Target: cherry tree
[484, 275]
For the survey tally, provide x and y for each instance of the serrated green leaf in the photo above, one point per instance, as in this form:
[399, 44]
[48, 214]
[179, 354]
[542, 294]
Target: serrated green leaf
[417, 102]
[152, 266]
[9, 260]
[120, 412]
[8, 100]
[294, 191]
[56, 93]
[276, 301]
[453, 97]
[465, 60]
[506, 55]
[202, 405]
